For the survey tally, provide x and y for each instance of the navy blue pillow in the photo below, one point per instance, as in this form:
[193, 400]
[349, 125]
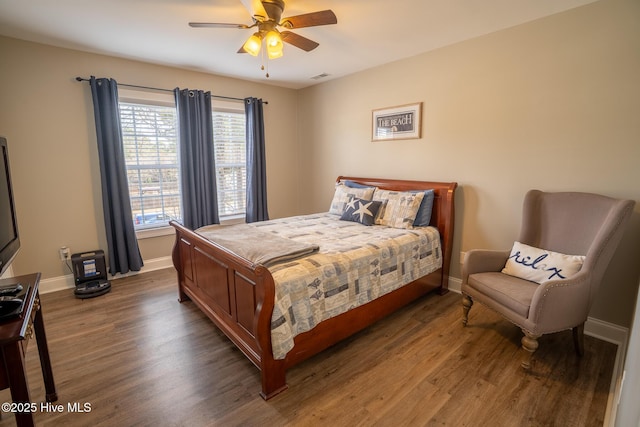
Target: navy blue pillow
[423, 217]
[360, 210]
[353, 184]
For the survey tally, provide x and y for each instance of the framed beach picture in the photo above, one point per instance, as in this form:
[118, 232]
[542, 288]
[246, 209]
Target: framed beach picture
[401, 122]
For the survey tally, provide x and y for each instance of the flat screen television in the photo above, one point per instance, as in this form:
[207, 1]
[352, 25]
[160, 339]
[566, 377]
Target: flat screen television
[9, 238]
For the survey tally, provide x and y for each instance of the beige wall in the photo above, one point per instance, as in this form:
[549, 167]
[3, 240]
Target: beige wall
[553, 104]
[47, 118]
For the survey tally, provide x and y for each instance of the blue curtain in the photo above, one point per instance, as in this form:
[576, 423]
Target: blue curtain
[124, 253]
[256, 163]
[197, 158]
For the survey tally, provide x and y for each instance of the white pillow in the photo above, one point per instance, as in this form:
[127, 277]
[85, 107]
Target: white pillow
[344, 194]
[539, 265]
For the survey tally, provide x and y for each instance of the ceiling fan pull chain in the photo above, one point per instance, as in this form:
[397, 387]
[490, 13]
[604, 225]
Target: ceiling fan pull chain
[263, 62]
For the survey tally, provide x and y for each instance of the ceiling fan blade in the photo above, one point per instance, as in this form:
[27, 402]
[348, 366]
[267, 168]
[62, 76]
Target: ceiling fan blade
[255, 8]
[313, 19]
[217, 25]
[298, 41]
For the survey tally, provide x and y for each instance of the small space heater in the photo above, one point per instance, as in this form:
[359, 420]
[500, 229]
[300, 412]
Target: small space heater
[90, 274]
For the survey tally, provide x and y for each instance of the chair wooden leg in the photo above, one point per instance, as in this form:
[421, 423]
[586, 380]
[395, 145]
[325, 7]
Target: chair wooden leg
[529, 345]
[578, 339]
[467, 302]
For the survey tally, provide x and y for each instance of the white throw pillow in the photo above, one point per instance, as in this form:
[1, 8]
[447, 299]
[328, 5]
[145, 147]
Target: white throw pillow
[539, 265]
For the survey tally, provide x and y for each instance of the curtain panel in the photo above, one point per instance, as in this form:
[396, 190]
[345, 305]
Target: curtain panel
[123, 250]
[256, 162]
[197, 158]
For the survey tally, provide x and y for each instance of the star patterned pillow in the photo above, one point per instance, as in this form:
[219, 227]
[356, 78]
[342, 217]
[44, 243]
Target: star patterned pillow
[360, 210]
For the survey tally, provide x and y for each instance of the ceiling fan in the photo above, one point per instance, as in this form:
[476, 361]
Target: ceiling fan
[267, 16]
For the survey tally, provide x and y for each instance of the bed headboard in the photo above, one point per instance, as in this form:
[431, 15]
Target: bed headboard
[442, 216]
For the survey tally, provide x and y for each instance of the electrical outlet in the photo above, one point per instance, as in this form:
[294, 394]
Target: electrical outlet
[462, 257]
[64, 253]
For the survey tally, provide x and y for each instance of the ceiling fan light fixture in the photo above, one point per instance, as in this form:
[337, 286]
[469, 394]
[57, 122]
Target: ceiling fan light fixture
[253, 44]
[273, 40]
[267, 17]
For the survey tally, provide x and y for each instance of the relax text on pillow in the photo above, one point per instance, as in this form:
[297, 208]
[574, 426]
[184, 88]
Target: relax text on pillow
[539, 265]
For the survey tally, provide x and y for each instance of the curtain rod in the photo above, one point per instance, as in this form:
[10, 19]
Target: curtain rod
[82, 79]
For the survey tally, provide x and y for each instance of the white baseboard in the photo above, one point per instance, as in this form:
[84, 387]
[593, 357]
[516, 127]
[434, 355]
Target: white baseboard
[455, 285]
[7, 273]
[604, 331]
[60, 283]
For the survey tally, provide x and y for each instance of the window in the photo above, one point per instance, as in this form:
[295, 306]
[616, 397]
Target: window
[151, 157]
[150, 138]
[231, 170]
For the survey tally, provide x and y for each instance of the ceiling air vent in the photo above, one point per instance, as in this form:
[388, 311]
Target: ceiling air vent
[320, 76]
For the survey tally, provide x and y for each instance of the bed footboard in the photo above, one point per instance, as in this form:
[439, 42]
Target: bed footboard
[235, 294]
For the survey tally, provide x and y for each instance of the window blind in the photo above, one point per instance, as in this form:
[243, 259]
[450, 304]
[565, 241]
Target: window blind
[151, 158]
[231, 171]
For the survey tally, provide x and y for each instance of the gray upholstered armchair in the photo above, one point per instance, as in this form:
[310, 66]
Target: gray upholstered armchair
[568, 223]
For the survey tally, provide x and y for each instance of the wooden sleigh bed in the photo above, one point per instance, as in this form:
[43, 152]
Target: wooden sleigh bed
[238, 295]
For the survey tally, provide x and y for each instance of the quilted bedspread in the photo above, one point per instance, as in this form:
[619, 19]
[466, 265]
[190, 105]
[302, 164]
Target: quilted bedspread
[354, 265]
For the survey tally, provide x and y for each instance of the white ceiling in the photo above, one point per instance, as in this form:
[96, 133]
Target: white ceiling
[368, 32]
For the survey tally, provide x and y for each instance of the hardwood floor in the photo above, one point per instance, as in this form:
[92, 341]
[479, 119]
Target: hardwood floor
[138, 357]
